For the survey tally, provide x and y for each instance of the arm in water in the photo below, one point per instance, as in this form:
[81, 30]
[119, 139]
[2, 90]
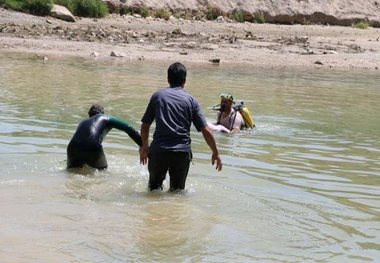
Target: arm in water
[218, 127]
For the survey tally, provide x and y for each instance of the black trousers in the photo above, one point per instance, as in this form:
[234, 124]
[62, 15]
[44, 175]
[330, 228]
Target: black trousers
[177, 163]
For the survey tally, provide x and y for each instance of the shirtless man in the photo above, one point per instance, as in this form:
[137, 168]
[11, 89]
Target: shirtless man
[228, 120]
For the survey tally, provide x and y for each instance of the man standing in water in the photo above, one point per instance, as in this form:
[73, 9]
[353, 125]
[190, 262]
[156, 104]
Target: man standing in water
[174, 110]
[86, 145]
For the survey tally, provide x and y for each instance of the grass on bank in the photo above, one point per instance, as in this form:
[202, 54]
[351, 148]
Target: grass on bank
[130, 10]
[145, 12]
[259, 18]
[362, 24]
[238, 16]
[84, 8]
[35, 7]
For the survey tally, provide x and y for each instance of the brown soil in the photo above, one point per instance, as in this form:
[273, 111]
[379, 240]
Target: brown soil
[134, 38]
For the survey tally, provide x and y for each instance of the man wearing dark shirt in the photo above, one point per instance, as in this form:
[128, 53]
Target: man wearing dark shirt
[86, 145]
[174, 110]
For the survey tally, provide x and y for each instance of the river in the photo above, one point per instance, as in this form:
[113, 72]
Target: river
[303, 186]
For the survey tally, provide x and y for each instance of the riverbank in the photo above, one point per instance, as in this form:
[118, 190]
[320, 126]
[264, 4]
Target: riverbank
[131, 38]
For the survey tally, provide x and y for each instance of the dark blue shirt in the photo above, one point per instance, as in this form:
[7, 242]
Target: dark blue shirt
[174, 110]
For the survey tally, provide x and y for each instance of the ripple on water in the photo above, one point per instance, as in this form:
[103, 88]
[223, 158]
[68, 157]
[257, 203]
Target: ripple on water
[302, 186]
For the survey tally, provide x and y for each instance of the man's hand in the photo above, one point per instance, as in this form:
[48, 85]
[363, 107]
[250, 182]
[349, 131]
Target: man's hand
[216, 158]
[145, 144]
[143, 155]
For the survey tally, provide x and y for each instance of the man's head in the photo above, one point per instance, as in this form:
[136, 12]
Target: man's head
[226, 101]
[95, 109]
[177, 75]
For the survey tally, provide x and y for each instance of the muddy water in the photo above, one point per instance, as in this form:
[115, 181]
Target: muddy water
[303, 186]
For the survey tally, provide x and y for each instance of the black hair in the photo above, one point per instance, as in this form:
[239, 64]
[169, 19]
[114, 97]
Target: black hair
[176, 74]
[95, 109]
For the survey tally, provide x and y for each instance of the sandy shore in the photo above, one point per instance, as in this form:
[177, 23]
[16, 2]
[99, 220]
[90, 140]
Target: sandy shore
[134, 38]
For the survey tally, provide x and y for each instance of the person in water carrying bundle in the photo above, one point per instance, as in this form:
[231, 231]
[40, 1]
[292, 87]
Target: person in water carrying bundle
[228, 120]
[86, 145]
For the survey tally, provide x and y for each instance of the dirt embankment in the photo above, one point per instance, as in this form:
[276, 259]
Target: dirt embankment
[333, 12]
[136, 38]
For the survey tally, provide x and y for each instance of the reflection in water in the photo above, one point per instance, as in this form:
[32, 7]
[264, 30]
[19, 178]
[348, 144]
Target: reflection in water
[302, 186]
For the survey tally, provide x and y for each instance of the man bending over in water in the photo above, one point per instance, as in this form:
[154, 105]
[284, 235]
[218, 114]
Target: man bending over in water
[86, 145]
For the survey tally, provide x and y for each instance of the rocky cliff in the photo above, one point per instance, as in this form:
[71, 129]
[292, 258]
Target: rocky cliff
[333, 12]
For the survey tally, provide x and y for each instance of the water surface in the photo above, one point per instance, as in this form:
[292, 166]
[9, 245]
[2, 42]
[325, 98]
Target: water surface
[303, 186]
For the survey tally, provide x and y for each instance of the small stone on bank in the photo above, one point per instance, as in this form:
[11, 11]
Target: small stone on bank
[215, 60]
[94, 54]
[117, 54]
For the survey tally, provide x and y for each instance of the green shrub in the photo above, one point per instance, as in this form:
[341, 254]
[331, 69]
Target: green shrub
[124, 10]
[17, 5]
[162, 13]
[184, 14]
[35, 7]
[259, 18]
[87, 8]
[362, 24]
[39, 7]
[69, 4]
[90, 8]
[238, 16]
[141, 10]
